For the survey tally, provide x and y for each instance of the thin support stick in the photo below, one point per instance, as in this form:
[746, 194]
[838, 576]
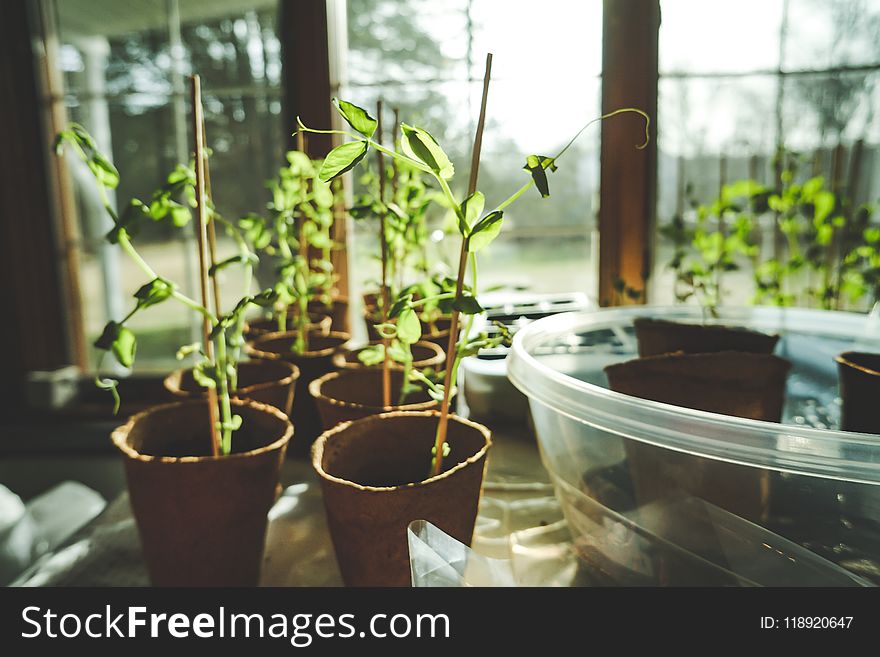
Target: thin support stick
[202, 239]
[212, 232]
[386, 346]
[443, 423]
[401, 264]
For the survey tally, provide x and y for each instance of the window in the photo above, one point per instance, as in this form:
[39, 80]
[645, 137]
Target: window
[427, 58]
[737, 84]
[125, 68]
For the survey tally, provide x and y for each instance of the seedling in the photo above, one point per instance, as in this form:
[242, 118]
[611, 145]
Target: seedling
[302, 210]
[477, 228]
[217, 369]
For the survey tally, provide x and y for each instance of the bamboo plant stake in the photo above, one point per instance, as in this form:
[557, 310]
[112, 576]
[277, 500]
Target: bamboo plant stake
[386, 344]
[394, 186]
[212, 232]
[202, 239]
[303, 251]
[443, 423]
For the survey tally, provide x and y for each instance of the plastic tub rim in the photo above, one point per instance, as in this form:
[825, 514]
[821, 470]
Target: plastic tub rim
[737, 440]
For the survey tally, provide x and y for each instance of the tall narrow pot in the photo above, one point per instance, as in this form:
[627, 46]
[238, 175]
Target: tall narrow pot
[202, 519]
[314, 363]
[374, 480]
[269, 382]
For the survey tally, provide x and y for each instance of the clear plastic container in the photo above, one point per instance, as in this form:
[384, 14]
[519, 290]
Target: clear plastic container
[656, 494]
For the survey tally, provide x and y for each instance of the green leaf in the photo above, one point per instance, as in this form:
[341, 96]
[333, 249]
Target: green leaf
[471, 208]
[486, 230]
[537, 165]
[372, 355]
[399, 305]
[180, 214]
[108, 336]
[203, 377]
[468, 305]
[357, 117]
[409, 329]
[125, 347]
[342, 159]
[156, 291]
[420, 145]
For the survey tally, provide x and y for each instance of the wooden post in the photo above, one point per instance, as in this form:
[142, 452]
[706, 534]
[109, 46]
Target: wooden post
[443, 423]
[308, 30]
[383, 245]
[628, 177]
[202, 235]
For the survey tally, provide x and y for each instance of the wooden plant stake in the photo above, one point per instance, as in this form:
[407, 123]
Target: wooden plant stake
[386, 344]
[443, 423]
[201, 228]
[212, 232]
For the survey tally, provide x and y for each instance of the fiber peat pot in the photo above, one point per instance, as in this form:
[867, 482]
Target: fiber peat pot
[660, 336]
[372, 475]
[425, 355]
[356, 393]
[731, 383]
[202, 519]
[318, 323]
[337, 311]
[270, 382]
[859, 381]
[312, 364]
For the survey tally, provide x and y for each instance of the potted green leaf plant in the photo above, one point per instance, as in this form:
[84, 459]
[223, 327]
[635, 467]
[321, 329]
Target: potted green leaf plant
[302, 209]
[383, 471]
[178, 456]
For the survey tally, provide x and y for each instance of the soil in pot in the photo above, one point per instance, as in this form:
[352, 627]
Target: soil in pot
[739, 384]
[202, 519]
[337, 311]
[859, 381]
[659, 336]
[269, 382]
[318, 323]
[356, 393]
[314, 363]
[373, 478]
[425, 355]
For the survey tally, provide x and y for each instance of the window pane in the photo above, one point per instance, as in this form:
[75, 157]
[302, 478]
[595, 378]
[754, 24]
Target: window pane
[823, 34]
[126, 68]
[699, 36]
[535, 105]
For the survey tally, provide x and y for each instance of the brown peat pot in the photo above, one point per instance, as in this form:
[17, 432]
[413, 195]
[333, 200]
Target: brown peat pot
[318, 323]
[202, 519]
[373, 478]
[337, 311]
[356, 393]
[269, 382]
[658, 336]
[859, 381]
[312, 364]
[425, 355]
[731, 383]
